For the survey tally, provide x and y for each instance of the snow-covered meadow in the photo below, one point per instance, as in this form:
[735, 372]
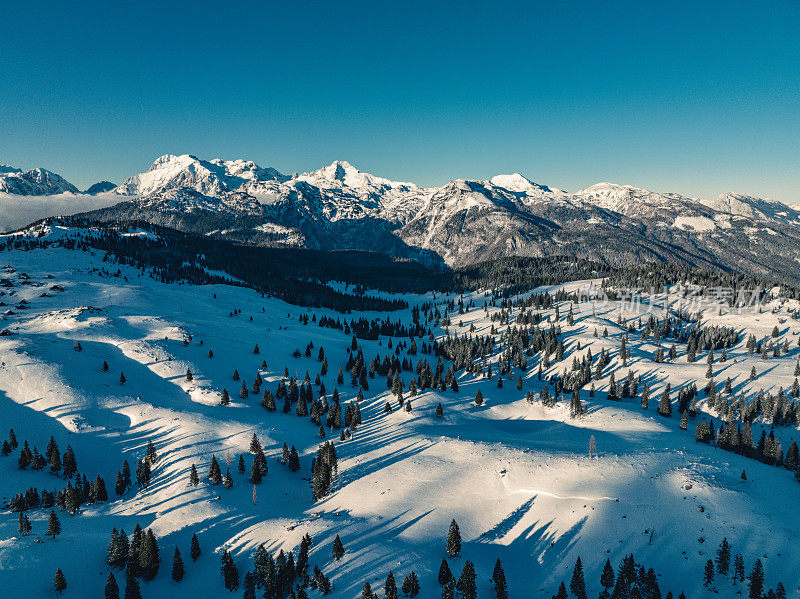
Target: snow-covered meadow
[516, 476]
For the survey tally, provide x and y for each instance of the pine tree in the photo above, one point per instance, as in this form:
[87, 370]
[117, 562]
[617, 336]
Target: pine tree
[111, 590]
[708, 574]
[665, 404]
[453, 545]
[562, 592]
[738, 568]
[439, 410]
[149, 560]
[230, 573]
[53, 525]
[294, 460]
[225, 399]
[59, 582]
[466, 582]
[390, 588]
[69, 465]
[445, 575]
[366, 591]
[724, 557]
[194, 550]
[249, 584]
[122, 378]
[411, 584]
[132, 590]
[215, 472]
[607, 578]
[756, 580]
[479, 398]
[194, 480]
[499, 581]
[228, 482]
[449, 590]
[338, 548]
[177, 566]
[578, 585]
[255, 473]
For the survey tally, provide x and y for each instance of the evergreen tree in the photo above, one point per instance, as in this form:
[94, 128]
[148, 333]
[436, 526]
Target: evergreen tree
[723, 557]
[249, 584]
[578, 585]
[562, 590]
[225, 399]
[411, 585]
[390, 588]
[453, 545]
[756, 581]
[255, 473]
[177, 566]
[665, 404]
[111, 590]
[59, 582]
[449, 590]
[228, 482]
[230, 573]
[294, 460]
[132, 590]
[194, 550]
[479, 398]
[439, 410]
[215, 472]
[194, 480]
[117, 549]
[499, 581]
[738, 568]
[366, 591]
[466, 582]
[445, 575]
[69, 465]
[607, 578]
[338, 548]
[149, 560]
[708, 574]
[53, 525]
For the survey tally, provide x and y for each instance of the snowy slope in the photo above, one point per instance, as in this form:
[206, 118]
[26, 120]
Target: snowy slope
[517, 477]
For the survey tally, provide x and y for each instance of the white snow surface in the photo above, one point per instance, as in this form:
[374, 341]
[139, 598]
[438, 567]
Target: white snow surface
[516, 477]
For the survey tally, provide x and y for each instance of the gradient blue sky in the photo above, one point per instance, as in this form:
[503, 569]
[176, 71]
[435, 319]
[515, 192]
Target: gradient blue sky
[693, 97]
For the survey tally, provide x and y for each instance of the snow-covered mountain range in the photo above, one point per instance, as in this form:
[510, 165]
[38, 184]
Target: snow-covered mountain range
[36, 181]
[460, 223]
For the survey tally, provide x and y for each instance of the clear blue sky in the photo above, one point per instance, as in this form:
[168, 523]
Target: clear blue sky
[693, 97]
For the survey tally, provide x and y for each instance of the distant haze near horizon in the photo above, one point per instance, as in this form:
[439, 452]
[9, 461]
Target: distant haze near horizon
[686, 98]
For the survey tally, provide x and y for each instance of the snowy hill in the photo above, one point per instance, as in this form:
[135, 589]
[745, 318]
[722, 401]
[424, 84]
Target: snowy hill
[526, 483]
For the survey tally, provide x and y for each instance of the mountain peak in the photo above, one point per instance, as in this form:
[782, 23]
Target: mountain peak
[341, 173]
[37, 181]
[209, 177]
